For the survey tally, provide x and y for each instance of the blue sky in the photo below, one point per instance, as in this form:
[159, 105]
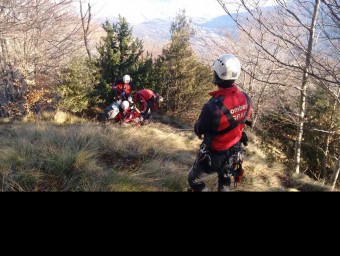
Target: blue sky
[137, 11]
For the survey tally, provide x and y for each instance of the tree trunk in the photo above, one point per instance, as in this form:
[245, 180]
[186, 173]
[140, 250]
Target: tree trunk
[304, 87]
[86, 22]
[336, 174]
[302, 114]
[325, 159]
[4, 51]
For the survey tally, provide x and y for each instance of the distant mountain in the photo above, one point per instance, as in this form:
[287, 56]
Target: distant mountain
[156, 33]
[159, 28]
[216, 23]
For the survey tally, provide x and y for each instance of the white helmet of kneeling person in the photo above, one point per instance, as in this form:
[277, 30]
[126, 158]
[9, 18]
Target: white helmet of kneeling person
[125, 105]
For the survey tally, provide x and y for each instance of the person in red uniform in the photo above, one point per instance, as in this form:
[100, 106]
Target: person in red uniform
[123, 88]
[221, 123]
[127, 114]
[147, 102]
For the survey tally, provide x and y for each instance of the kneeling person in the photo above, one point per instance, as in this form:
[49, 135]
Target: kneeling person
[127, 113]
[147, 102]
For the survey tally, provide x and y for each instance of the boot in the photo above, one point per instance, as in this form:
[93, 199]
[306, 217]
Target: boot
[224, 184]
[224, 189]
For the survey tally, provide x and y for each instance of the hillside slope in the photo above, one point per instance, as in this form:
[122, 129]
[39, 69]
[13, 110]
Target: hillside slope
[107, 157]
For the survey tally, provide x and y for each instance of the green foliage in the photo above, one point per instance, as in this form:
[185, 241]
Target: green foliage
[177, 74]
[182, 79]
[146, 76]
[76, 85]
[119, 54]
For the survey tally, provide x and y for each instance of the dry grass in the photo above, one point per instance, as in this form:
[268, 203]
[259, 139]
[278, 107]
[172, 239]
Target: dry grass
[265, 175]
[50, 156]
[300, 182]
[93, 157]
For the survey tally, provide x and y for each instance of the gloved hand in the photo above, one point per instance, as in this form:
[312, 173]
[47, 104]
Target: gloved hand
[244, 139]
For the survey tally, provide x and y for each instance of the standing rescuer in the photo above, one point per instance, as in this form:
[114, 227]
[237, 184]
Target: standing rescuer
[222, 122]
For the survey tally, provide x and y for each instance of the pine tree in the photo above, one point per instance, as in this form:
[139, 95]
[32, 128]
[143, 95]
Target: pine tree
[182, 77]
[146, 77]
[119, 54]
[76, 85]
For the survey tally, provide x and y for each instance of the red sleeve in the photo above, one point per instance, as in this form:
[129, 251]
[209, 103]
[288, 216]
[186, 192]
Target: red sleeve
[120, 88]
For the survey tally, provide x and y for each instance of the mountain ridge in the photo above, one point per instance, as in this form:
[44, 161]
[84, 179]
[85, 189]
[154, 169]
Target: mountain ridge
[156, 33]
[163, 26]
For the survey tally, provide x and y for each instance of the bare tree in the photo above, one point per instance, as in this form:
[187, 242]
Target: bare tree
[304, 85]
[86, 24]
[7, 21]
[325, 59]
[36, 39]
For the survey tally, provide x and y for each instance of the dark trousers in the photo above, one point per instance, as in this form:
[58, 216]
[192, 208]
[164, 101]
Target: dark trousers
[218, 163]
[148, 111]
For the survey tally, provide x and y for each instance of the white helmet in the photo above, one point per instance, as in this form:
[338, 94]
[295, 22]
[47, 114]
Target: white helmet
[125, 105]
[126, 79]
[227, 67]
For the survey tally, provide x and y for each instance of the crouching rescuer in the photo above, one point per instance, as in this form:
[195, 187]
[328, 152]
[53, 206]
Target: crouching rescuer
[221, 123]
[147, 101]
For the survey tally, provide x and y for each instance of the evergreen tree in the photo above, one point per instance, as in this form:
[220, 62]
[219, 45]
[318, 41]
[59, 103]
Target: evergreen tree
[76, 85]
[182, 78]
[145, 77]
[119, 54]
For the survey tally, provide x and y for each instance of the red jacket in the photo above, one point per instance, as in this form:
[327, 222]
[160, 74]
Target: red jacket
[123, 88]
[143, 98]
[214, 121]
[127, 115]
